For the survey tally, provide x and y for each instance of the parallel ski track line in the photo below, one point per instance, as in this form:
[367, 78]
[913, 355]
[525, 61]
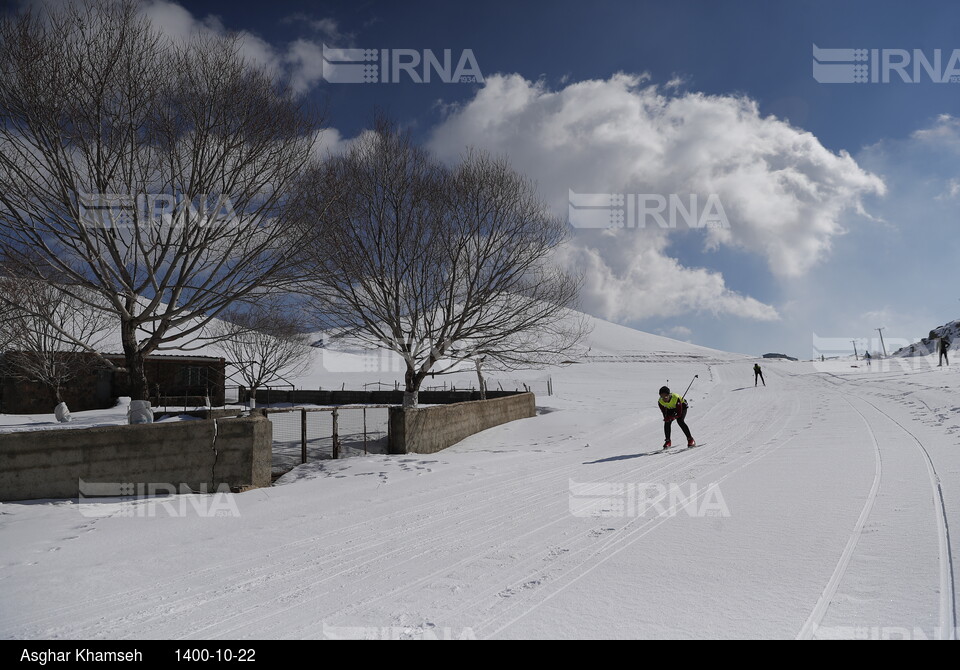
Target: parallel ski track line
[948, 598]
[614, 546]
[826, 597]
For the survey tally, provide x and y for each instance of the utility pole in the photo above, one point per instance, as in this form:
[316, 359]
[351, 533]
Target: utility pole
[854, 342]
[880, 330]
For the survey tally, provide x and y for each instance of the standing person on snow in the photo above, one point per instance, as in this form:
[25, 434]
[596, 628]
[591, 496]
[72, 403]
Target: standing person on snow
[758, 374]
[673, 406]
[944, 346]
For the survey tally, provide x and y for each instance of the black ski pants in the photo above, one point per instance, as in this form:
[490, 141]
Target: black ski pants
[681, 423]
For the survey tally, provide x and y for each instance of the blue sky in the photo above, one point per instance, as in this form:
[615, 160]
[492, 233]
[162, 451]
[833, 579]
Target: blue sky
[841, 198]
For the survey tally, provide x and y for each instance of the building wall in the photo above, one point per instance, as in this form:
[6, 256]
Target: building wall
[173, 378]
[100, 388]
[51, 463]
[92, 391]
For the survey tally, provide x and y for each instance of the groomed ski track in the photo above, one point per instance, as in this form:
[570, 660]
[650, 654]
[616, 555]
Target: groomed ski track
[835, 488]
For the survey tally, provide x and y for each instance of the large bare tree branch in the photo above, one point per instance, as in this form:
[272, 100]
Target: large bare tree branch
[438, 264]
[155, 177]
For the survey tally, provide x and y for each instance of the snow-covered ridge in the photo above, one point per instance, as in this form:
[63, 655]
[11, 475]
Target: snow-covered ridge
[928, 345]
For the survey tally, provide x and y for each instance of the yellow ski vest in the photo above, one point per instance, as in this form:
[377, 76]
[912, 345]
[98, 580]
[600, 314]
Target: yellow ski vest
[672, 402]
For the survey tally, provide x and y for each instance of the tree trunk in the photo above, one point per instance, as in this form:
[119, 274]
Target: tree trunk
[412, 388]
[482, 383]
[135, 361]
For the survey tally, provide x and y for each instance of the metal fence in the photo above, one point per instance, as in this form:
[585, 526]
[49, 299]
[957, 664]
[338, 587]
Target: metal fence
[193, 398]
[543, 386]
[305, 434]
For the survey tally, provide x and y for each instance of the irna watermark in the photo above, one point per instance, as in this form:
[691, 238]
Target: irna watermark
[426, 632]
[154, 499]
[878, 354]
[394, 66]
[642, 210]
[631, 499]
[883, 66]
[113, 211]
[885, 633]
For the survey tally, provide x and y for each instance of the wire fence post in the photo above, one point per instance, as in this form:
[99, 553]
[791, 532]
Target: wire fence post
[365, 431]
[336, 441]
[303, 436]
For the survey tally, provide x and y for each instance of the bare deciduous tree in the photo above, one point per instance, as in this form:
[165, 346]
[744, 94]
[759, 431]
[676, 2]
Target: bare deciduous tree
[439, 264]
[266, 343]
[36, 345]
[154, 176]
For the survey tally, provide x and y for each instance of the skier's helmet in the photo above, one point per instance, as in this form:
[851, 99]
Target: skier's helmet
[664, 390]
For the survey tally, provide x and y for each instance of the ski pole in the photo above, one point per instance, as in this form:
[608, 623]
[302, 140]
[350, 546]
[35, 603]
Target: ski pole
[688, 387]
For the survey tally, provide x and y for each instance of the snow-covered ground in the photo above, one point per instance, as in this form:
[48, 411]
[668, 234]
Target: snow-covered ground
[824, 504]
[114, 416]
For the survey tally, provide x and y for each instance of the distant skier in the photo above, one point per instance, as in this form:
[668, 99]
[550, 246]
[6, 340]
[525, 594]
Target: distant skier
[673, 407]
[944, 346]
[758, 374]
[867, 357]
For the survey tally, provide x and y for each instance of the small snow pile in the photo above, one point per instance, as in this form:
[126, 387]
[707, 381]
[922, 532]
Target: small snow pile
[139, 411]
[62, 412]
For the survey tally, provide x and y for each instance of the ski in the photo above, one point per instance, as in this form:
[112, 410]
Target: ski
[679, 448]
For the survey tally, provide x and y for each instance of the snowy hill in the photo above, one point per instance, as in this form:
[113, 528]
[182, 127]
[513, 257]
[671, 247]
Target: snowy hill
[611, 343]
[928, 345]
[343, 361]
[191, 345]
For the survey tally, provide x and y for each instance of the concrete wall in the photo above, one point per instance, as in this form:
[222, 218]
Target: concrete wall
[427, 430]
[49, 464]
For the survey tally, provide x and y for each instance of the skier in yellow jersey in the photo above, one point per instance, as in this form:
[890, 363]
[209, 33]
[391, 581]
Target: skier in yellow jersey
[674, 408]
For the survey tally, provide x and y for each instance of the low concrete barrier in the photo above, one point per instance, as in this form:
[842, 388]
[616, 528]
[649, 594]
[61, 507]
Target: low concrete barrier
[426, 430]
[197, 454]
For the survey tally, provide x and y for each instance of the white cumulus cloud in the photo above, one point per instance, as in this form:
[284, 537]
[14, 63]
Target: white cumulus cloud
[781, 190]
